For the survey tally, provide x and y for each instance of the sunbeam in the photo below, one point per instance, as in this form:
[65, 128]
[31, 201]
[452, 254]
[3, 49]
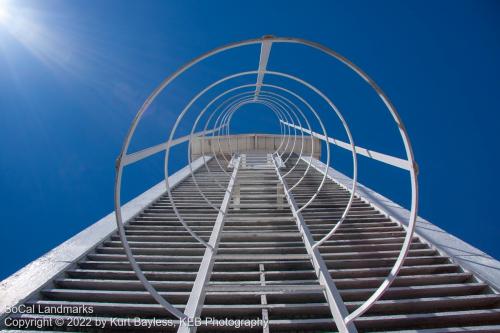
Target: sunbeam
[27, 27]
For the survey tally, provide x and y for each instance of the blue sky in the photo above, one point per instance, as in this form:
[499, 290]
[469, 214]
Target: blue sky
[74, 73]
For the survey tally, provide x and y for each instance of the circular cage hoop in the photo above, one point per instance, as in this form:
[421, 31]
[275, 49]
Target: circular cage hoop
[268, 101]
[304, 83]
[244, 100]
[238, 98]
[231, 108]
[120, 164]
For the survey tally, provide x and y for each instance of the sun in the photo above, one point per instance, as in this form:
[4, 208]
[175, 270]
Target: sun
[4, 12]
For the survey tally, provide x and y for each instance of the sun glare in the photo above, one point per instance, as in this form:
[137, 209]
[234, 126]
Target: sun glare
[4, 13]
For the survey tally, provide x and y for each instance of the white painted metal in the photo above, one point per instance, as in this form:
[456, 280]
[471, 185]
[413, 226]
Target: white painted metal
[272, 99]
[395, 269]
[237, 103]
[279, 196]
[237, 190]
[384, 158]
[285, 105]
[25, 282]
[227, 111]
[383, 320]
[354, 156]
[340, 315]
[142, 154]
[343, 60]
[337, 306]
[227, 126]
[31, 277]
[483, 265]
[272, 104]
[246, 145]
[308, 85]
[265, 50]
[201, 113]
[197, 296]
[346, 128]
[263, 299]
[233, 107]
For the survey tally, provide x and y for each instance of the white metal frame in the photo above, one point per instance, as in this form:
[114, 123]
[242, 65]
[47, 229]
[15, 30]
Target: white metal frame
[26, 282]
[198, 292]
[266, 44]
[384, 158]
[484, 266]
[337, 306]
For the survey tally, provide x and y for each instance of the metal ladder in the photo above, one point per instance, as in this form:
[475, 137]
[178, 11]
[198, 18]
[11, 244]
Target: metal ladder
[262, 270]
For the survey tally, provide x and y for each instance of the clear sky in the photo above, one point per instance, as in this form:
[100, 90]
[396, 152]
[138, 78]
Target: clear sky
[74, 73]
